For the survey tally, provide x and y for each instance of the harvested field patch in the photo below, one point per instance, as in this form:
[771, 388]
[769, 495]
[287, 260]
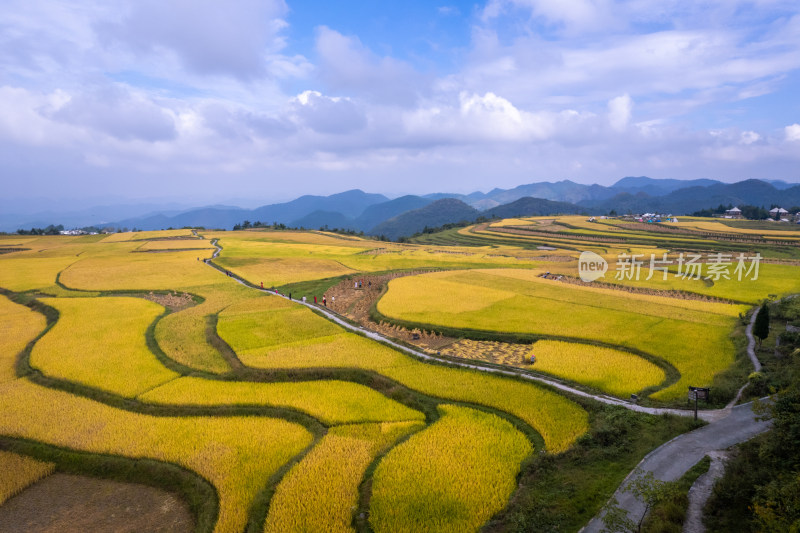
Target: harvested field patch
[67, 503]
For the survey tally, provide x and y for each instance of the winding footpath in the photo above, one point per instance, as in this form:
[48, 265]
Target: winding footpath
[727, 427]
[673, 459]
[751, 341]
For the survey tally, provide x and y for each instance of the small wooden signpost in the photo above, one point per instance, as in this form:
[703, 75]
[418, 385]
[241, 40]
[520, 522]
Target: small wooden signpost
[699, 393]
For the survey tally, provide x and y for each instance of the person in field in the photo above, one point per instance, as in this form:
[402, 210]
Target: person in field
[324, 301]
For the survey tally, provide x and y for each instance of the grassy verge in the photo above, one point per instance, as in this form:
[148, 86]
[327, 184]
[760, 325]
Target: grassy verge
[668, 516]
[727, 383]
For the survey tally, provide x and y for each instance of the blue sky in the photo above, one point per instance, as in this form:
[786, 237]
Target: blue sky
[201, 101]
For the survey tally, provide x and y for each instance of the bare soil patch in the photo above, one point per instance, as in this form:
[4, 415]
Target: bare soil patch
[66, 503]
[353, 301]
[173, 301]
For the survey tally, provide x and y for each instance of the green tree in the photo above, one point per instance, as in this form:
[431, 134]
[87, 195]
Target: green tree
[761, 327]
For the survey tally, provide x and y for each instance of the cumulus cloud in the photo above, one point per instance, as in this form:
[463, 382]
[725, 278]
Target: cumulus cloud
[749, 137]
[539, 90]
[325, 114]
[619, 112]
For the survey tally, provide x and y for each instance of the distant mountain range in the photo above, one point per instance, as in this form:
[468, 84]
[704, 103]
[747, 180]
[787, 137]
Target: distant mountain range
[375, 214]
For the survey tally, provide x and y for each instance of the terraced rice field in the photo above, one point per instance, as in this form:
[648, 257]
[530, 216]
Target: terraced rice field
[299, 425]
[186, 377]
[331, 402]
[610, 370]
[18, 326]
[236, 454]
[410, 495]
[100, 342]
[558, 420]
[321, 491]
[521, 302]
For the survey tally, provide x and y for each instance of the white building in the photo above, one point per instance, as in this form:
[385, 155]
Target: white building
[778, 213]
[733, 213]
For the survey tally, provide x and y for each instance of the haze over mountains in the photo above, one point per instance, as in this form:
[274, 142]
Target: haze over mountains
[375, 214]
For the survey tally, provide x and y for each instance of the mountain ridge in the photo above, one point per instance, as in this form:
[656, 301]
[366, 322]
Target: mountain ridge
[361, 211]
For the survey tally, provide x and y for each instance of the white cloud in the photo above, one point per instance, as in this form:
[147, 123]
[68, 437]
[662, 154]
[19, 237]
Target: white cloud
[347, 66]
[543, 90]
[749, 137]
[207, 37]
[330, 115]
[619, 112]
[117, 112]
[571, 15]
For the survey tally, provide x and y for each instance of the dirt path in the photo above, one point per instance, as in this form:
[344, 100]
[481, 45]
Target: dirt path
[701, 491]
[673, 459]
[670, 461]
[751, 341]
[63, 503]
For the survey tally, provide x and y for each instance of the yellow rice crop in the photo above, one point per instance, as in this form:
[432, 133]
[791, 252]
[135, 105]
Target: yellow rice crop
[321, 492]
[692, 335]
[453, 476]
[557, 419]
[182, 334]
[18, 326]
[270, 321]
[19, 472]
[183, 244]
[100, 342]
[614, 371]
[135, 271]
[285, 257]
[301, 237]
[510, 222]
[772, 279]
[278, 263]
[236, 454]
[144, 235]
[332, 402]
[24, 273]
[719, 227]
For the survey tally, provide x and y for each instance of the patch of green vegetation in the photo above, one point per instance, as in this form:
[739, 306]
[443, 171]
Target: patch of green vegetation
[760, 491]
[311, 288]
[668, 516]
[563, 492]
